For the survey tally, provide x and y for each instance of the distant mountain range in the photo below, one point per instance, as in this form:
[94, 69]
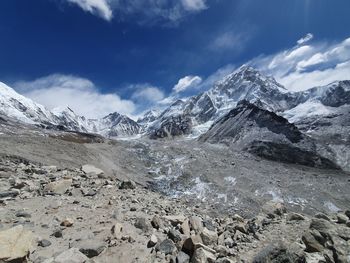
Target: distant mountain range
[224, 114]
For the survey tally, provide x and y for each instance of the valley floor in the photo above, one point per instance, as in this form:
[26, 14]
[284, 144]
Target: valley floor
[183, 204]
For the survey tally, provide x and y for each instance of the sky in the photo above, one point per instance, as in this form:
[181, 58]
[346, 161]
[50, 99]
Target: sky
[101, 56]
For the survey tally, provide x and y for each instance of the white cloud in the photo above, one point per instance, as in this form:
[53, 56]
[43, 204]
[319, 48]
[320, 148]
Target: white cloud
[146, 93]
[307, 65]
[142, 11]
[305, 39]
[194, 5]
[79, 94]
[97, 7]
[233, 40]
[186, 83]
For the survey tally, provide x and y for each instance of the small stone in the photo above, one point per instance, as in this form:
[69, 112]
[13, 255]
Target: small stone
[57, 233]
[167, 247]
[128, 184]
[44, 243]
[68, 222]
[153, 241]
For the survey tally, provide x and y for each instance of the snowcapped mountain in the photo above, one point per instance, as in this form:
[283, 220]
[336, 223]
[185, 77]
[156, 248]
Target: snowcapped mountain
[23, 109]
[20, 108]
[114, 125]
[246, 83]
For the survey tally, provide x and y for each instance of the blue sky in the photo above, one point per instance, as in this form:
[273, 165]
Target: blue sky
[133, 54]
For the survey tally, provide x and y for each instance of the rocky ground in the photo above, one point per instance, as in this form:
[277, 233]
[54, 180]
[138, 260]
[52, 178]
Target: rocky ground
[51, 214]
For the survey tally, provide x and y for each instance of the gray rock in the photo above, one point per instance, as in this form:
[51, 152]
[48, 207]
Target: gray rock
[295, 217]
[167, 247]
[44, 243]
[322, 216]
[57, 233]
[128, 184]
[91, 170]
[143, 224]
[311, 242]
[9, 193]
[174, 235]
[209, 237]
[341, 218]
[202, 255]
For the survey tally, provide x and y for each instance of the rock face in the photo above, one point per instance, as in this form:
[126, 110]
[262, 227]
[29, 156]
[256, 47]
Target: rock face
[174, 126]
[15, 243]
[265, 134]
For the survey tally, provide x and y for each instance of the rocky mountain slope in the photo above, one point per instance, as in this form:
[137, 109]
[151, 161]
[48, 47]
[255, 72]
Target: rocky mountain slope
[265, 134]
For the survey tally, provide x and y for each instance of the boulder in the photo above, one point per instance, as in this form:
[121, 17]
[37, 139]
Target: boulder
[15, 243]
[9, 193]
[156, 222]
[342, 218]
[167, 247]
[191, 243]
[209, 237]
[174, 235]
[295, 217]
[201, 255]
[72, 255]
[91, 170]
[312, 242]
[143, 224]
[196, 224]
[58, 187]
